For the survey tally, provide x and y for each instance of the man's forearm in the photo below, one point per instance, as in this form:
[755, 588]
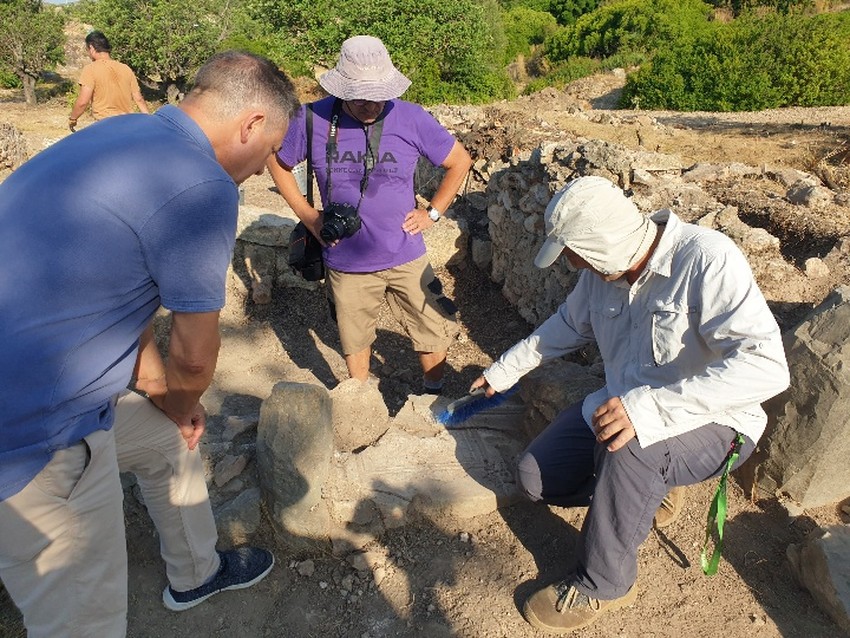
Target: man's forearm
[457, 166]
[192, 355]
[149, 371]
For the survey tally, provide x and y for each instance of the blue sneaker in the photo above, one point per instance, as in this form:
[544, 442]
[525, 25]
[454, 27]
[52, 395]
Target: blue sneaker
[240, 568]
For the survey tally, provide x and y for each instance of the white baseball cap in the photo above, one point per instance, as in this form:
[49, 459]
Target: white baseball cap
[594, 218]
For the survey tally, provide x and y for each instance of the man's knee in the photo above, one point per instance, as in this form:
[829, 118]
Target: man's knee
[528, 477]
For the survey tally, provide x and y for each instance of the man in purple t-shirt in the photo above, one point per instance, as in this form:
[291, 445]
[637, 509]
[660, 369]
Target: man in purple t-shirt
[369, 165]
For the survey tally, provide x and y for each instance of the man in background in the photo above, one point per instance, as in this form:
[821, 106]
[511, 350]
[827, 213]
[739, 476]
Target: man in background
[99, 230]
[108, 85]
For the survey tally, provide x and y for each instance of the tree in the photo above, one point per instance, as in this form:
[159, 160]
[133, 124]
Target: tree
[568, 11]
[164, 42]
[452, 50]
[31, 41]
[525, 28]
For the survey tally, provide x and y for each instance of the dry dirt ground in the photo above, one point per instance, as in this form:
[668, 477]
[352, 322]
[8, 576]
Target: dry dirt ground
[471, 581]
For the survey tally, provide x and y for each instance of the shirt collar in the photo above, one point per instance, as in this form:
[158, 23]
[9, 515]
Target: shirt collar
[177, 118]
[661, 261]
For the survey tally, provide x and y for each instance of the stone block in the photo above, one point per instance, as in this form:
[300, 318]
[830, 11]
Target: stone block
[821, 564]
[360, 416]
[294, 450]
[238, 520]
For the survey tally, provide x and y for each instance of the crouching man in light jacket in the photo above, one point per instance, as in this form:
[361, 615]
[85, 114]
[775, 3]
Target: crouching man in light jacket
[690, 349]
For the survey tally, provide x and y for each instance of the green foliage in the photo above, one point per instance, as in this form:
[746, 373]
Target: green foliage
[752, 63]
[525, 28]
[564, 73]
[164, 42]
[782, 6]
[31, 41]
[446, 47]
[9, 80]
[568, 11]
[641, 25]
[534, 5]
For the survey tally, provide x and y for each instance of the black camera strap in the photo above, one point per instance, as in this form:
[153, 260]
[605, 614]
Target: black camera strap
[309, 189]
[370, 158]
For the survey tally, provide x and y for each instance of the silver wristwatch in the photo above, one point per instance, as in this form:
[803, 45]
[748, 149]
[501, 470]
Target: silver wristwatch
[434, 214]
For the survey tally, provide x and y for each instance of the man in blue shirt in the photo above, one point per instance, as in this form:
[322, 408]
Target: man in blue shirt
[99, 231]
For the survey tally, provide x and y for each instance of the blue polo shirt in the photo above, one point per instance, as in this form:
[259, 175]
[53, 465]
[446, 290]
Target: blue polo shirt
[96, 232]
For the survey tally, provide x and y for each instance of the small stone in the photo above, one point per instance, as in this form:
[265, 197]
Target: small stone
[348, 582]
[307, 568]
[464, 537]
[236, 425]
[815, 268]
[228, 468]
[323, 584]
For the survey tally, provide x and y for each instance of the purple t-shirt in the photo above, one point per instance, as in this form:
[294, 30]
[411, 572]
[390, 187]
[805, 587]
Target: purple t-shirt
[409, 132]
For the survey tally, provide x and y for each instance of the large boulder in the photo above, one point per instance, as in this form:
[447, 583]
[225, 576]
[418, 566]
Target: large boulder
[808, 445]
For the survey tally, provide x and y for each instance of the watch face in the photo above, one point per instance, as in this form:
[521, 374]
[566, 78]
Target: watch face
[433, 214]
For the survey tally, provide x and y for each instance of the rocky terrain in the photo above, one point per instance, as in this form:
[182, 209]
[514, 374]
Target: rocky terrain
[430, 579]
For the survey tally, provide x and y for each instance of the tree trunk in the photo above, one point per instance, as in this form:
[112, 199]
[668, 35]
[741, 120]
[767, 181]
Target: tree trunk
[29, 90]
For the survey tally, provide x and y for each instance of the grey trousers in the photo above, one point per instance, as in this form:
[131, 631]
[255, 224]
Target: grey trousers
[565, 466]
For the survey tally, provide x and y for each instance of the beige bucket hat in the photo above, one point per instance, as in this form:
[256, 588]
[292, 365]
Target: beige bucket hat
[364, 71]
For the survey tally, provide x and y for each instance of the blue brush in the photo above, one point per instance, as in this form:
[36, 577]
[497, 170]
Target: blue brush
[462, 409]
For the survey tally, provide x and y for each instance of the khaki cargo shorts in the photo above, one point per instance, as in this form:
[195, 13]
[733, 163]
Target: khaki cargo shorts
[414, 295]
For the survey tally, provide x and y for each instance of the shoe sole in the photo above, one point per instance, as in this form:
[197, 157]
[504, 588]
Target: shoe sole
[625, 601]
[173, 605]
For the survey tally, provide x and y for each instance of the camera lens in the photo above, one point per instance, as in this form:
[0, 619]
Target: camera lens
[331, 231]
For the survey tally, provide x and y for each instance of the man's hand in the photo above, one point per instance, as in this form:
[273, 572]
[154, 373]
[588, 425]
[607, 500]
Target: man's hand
[612, 425]
[481, 383]
[416, 221]
[194, 429]
[191, 426]
[72, 125]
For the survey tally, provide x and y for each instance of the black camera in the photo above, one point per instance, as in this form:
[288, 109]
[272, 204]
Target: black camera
[339, 221]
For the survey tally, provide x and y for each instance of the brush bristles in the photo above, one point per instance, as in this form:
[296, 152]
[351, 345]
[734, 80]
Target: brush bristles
[471, 408]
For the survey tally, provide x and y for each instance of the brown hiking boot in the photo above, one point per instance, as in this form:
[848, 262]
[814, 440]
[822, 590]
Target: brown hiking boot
[560, 608]
[670, 508]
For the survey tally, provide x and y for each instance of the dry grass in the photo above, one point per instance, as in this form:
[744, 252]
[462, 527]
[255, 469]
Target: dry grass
[832, 165]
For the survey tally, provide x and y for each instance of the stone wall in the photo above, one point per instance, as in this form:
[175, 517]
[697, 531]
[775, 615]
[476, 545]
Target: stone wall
[517, 196]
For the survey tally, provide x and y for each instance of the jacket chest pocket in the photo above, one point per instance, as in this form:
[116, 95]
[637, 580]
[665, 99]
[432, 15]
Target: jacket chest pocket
[607, 322]
[670, 325]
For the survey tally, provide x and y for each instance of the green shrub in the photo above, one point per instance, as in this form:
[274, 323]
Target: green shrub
[452, 50]
[568, 11]
[9, 80]
[525, 28]
[564, 73]
[636, 25]
[750, 64]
